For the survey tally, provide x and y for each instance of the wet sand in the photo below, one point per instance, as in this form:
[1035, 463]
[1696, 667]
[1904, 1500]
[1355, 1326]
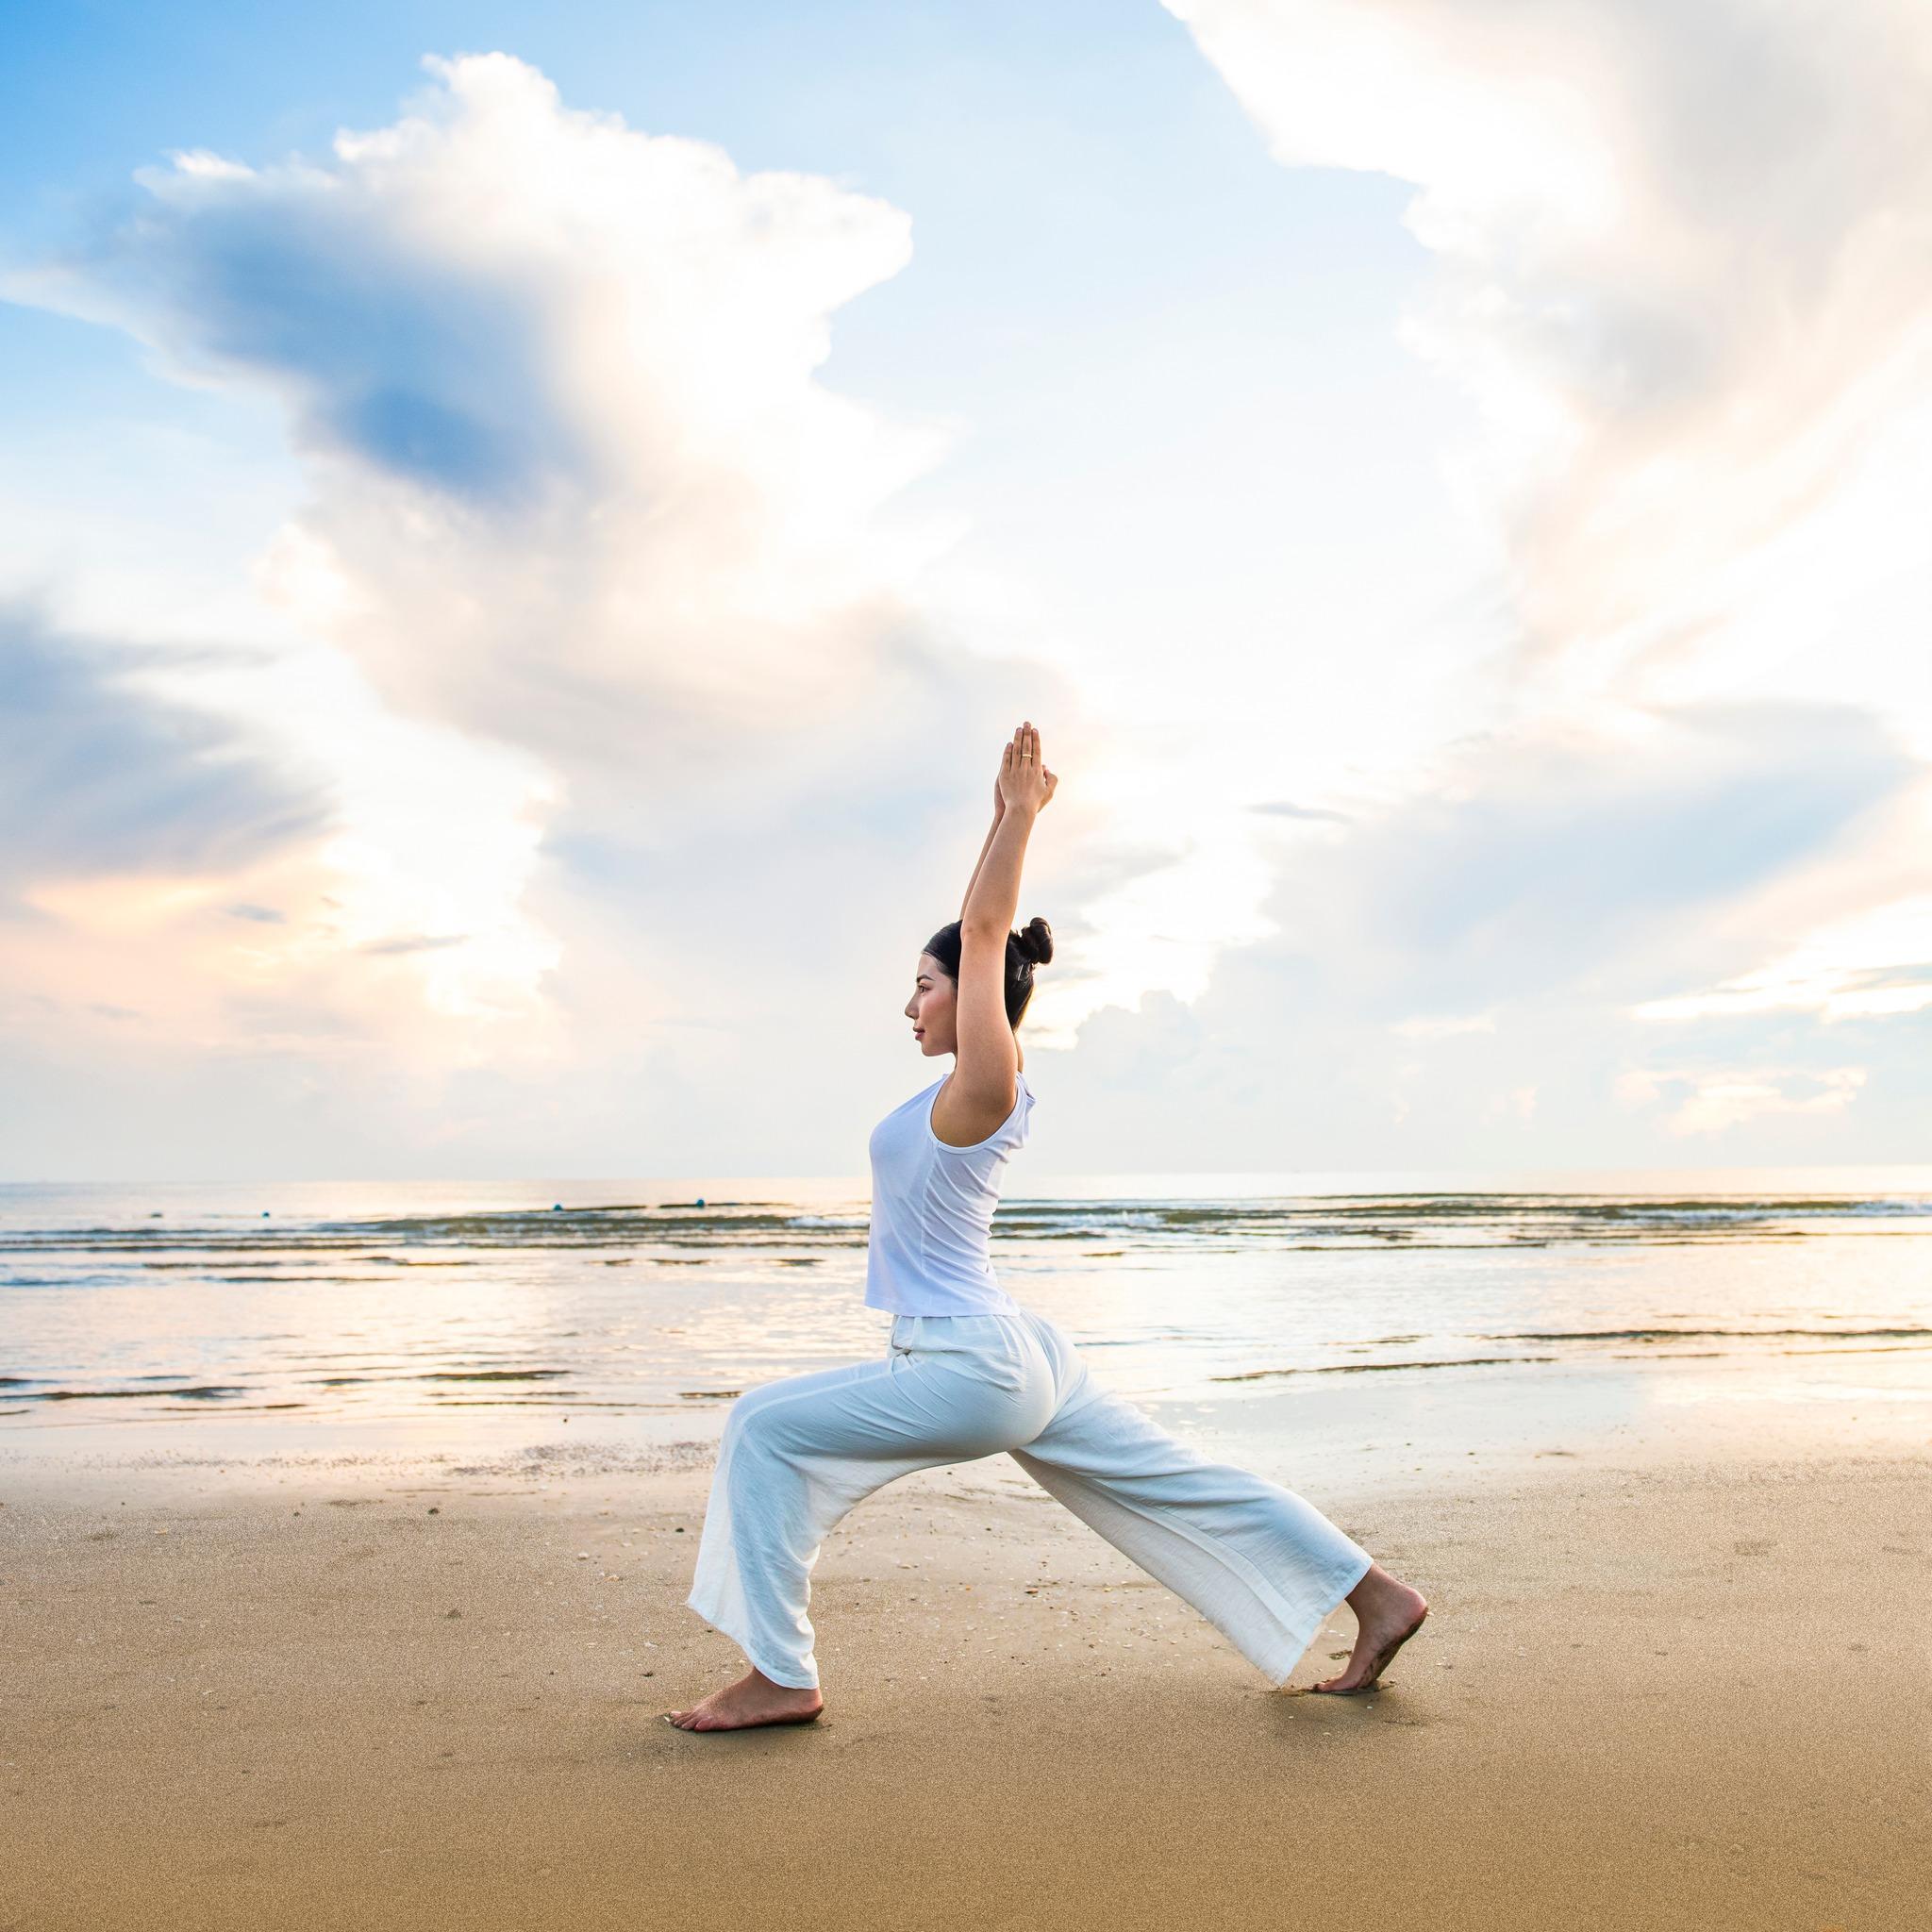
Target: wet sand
[1694, 1694]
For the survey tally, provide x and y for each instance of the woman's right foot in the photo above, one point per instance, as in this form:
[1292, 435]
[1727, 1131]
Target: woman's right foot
[1388, 1614]
[755, 1699]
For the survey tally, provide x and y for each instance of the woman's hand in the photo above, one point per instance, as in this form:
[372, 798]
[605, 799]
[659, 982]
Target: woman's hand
[1024, 782]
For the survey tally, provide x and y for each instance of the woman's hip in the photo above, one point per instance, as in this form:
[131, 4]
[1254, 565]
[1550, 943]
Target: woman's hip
[948, 1385]
[929, 1405]
[1013, 1347]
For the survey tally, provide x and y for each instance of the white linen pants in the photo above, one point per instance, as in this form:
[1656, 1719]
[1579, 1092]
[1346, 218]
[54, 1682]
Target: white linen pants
[1263, 1566]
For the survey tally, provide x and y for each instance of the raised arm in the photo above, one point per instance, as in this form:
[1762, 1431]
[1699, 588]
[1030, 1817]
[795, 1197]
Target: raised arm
[982, 1090]
[1024, 786]
[999, 806]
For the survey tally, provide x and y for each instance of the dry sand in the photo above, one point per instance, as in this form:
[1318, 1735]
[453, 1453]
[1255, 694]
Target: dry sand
[1695, 1696]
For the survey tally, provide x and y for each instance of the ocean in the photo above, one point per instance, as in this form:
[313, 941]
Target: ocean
[476, 1317]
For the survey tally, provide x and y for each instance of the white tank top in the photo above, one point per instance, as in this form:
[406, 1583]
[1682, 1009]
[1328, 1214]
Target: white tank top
[932, 1208]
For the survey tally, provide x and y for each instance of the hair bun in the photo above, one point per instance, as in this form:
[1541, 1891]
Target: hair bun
[1035, 940]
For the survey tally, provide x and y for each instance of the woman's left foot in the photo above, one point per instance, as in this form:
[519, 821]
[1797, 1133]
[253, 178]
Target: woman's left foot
[1388, 1614]
[755, 1699]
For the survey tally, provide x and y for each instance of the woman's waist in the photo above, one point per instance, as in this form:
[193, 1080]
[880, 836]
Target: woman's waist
[1006, 1334]
[957, 1324]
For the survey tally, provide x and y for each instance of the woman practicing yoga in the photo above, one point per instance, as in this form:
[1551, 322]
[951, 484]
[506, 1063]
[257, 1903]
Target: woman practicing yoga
[969, 1373]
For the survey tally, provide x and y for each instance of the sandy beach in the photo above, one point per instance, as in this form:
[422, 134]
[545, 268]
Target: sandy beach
[1652, 1691]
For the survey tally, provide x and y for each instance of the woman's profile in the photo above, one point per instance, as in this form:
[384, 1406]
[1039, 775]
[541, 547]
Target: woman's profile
[969, 1373]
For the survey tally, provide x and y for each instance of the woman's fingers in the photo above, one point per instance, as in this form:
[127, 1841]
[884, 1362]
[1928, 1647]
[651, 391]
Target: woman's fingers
[1021, 761]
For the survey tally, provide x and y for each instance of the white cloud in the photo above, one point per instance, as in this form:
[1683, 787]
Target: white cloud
[591, 564]
[1877, 962]
[600, 629]
[575, 483]
[1707, 1101]
[102, 775]
[1684, 267]
[1440, 1026]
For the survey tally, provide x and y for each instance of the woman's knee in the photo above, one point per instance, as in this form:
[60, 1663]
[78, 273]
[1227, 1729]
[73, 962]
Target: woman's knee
[778, 1418]
[740, 1424]
[747, 1420]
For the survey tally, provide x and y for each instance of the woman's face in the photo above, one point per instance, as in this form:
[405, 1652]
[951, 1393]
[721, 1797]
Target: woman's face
[931, 1010]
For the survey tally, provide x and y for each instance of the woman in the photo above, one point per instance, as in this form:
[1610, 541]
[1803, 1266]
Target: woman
[969, 1373]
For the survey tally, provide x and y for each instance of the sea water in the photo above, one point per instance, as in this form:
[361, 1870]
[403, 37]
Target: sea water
[468, 1319]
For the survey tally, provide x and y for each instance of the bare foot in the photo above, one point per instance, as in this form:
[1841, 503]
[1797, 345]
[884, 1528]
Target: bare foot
[1388, 1614]
[755, 1699]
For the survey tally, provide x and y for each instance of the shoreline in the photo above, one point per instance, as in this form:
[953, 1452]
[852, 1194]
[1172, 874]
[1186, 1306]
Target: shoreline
[1675, 1689]
[1321, 1432]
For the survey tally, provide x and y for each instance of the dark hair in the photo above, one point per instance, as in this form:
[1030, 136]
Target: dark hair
[1030, 947]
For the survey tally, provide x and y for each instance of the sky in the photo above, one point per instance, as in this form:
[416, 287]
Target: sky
[523, 534]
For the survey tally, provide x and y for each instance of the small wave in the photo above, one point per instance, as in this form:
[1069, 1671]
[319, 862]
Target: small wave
[492, 1374]
[1673, 1354]
[297, 1280]
[1894, 1348]
[1694, 1334]
[551, 1398]
[1418, 1220]
[1471, 1362]
[202, 1392]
